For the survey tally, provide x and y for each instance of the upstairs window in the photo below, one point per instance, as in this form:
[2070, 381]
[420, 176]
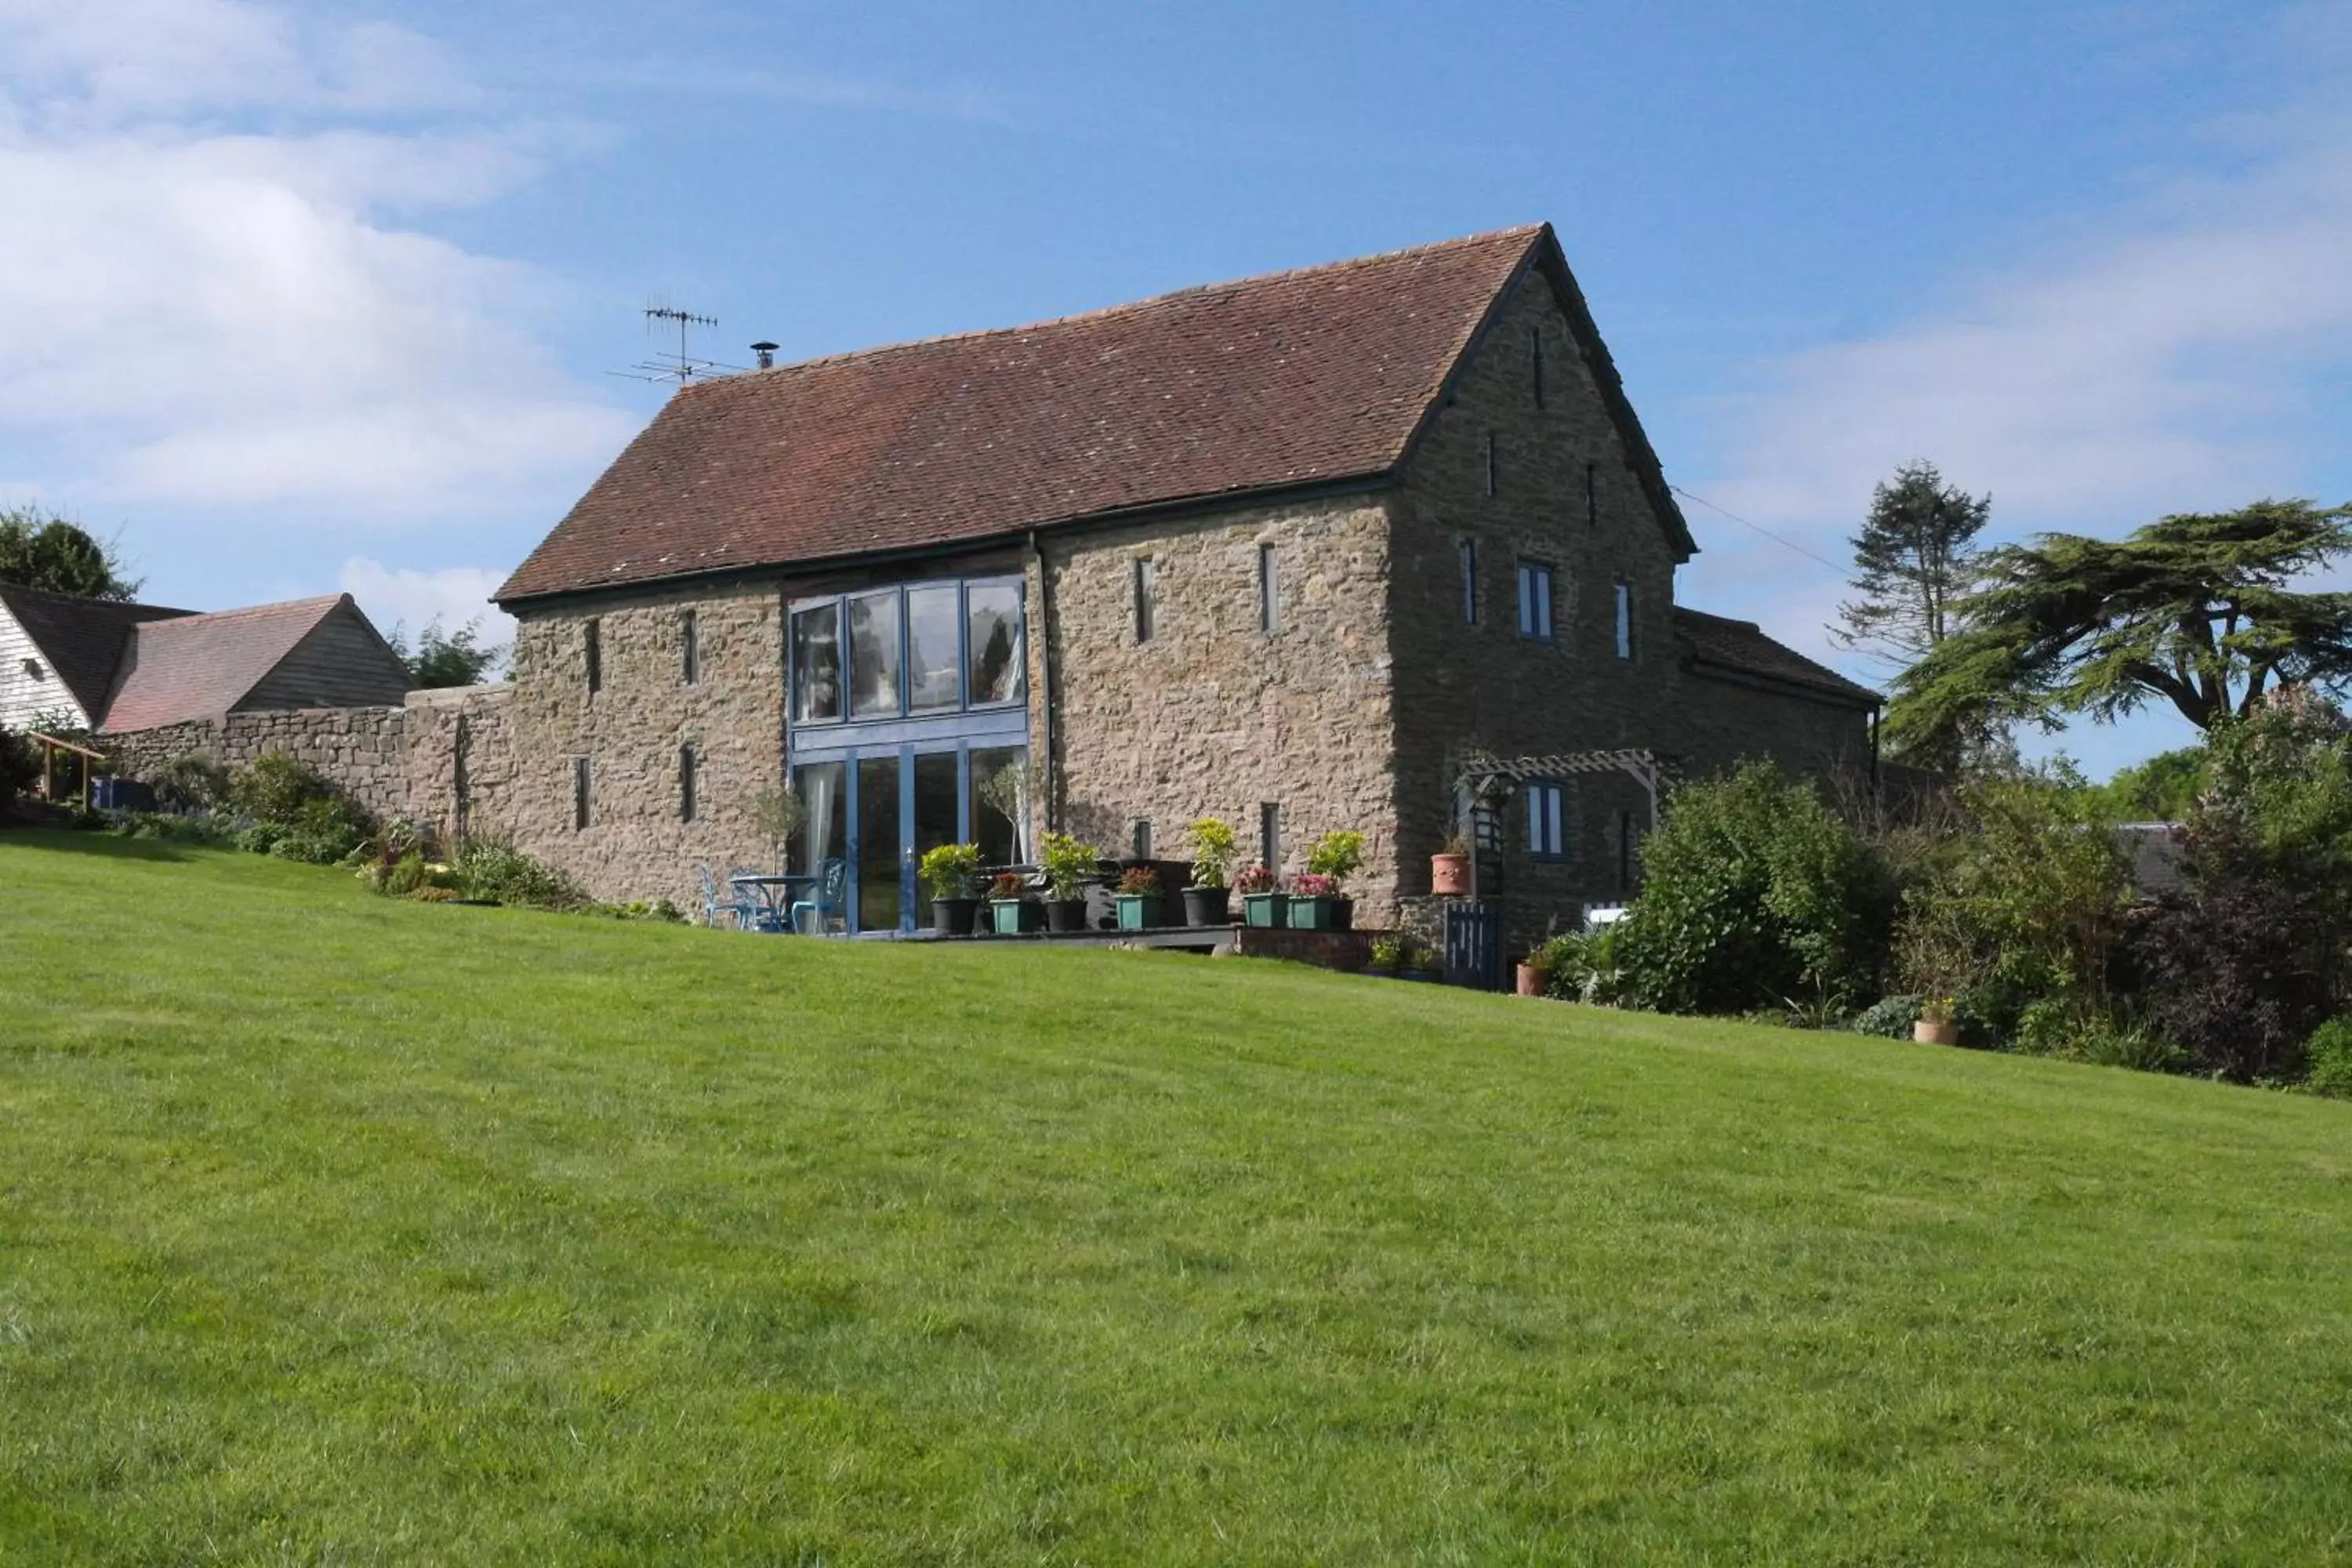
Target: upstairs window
[993, 640]
[1269, 591]
[1535, 361]
[686, 782]
[1546, 807]
[1469, 548]
[934, 664]
[874, 655]
[922, 649]
[689, 649]
[1493, 480]
[1534, 601]
[817, 664]
[1624, 618]
[592, 634]
[580, 784]
[1147, 584]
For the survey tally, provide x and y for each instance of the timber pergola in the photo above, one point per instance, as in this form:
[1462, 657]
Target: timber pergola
[1490, 778]
[93, 762]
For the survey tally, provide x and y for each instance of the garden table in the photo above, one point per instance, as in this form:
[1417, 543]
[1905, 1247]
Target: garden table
[774, 895]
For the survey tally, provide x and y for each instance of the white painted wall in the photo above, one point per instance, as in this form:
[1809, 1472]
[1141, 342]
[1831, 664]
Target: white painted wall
[24, 694]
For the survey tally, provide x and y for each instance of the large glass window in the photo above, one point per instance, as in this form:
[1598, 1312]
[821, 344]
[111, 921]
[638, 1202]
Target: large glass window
[874, 655]
[817, 664]
[997, 661]
[1001, 785]
[933, 671]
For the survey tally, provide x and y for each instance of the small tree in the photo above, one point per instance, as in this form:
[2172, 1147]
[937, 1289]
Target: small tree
[776, 814]
[41, 549]
[1914, 558]
[447, 659]
[20, 764]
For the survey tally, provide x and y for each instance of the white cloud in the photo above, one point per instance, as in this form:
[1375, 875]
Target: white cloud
[411, 600]
[225, 317]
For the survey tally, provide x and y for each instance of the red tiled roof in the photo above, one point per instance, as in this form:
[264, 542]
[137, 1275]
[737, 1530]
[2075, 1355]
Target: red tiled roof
[199, 666]
[1742, 646]
[1299, 377]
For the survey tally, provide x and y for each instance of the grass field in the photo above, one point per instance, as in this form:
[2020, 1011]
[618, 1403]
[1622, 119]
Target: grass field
[340, 1230]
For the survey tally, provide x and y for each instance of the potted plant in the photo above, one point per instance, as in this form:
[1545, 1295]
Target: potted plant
[1937, 1024]
[1263, 903]
[950, 870]
[1533, 975]
[1009, 908]
[1314, 903]
[1449, 869]
[1069, 866]
[1208, 902]
[1139, 899]
[1336, 857]
[776, 814]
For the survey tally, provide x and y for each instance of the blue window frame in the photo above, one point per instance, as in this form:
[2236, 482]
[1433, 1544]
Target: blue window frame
[946, 647]
[1534, 601]
[1547, 810]
[1625, 599]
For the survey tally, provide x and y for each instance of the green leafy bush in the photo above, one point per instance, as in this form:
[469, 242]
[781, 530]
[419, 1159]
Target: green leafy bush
[20, 765]
[327, 830]
[1337, 855]
[1889, 1018]
[275, 788]
[1067, 864]
[408, 874]
[164, 826]
[1581, 966]
[949, 870]
[191, 782]
[2329, 1051]
[258, 838]
[494, 872]
[1213, 845]
[1753, 891]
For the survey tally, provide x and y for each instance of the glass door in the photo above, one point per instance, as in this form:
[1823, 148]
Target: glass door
[934, 818]
[881, 862]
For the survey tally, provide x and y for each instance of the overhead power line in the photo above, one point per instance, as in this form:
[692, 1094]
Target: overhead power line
[1757, 528]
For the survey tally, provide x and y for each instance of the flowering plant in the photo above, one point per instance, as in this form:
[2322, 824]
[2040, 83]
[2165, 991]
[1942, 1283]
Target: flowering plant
[1313, 885]
[1006, 886]
[1936, 1009]
[1138, 879]
[1257, 880]
[1336, 855]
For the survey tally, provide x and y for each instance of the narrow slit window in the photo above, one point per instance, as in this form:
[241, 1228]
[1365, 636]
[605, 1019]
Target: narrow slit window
[1269, 836]
[1269, 591]
[1140, 838]
[1546, 809]
[580, 784]
[1493, 480]
[1535, 361]
[1147, 587]
[1469, 581]
[1592, 496]
[1626, 843]
[592, 646]
[1624, 618]
[1534, 601]
[689, 649]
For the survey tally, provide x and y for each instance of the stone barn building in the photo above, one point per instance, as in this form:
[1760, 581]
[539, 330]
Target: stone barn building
[1284, 551]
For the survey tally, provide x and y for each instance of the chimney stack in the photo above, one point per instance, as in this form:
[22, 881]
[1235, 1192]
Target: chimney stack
[767, 352]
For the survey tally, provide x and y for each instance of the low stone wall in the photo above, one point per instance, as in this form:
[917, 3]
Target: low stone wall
[362, 750]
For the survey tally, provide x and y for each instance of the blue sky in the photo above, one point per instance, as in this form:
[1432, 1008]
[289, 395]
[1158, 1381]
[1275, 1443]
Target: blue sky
[323, 297]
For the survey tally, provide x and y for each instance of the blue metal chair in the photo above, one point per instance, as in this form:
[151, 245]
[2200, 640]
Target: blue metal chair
[824, 901]
[735, 911]
[758, 913]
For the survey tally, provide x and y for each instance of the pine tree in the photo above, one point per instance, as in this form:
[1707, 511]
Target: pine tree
[1913, 557]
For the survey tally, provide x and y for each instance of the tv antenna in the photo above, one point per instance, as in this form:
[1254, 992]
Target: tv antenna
[682, 366]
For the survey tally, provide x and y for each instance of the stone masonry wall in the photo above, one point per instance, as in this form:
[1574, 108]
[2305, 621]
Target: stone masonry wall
[635, 844]
[1462, 685]
[1213, 716]
[361, 750]
[461, 761]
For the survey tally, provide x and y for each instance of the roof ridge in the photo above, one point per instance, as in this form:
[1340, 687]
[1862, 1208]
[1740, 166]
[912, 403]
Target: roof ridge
[1530, 231]
[86, 601]
[321, 600]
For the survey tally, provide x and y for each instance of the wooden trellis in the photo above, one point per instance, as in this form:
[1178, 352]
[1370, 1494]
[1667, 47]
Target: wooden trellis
[1490, 779]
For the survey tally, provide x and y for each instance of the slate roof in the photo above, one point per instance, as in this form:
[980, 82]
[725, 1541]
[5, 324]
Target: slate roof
[199, 666]
[1741, 648]
[83, 640]
[1297, 378]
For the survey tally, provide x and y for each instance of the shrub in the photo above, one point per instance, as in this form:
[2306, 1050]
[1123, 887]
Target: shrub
[490, 870]
[1337, 855]
[157, 824]
[20, 764]
[2329, 1051]
[1753, 891]
[1140, 881]
[327, 830]
[1583, 967]
[1068, 865]
[426, 893]
[1889, 1018]
[1213, 844]
[191, 782]
[275, 788]
[949, 870]
[1008, 885]
[408, 875]
[258, 838]
[2238, 969]
[1388, 952]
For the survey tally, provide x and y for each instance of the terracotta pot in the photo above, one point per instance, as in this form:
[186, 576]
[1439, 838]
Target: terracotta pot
[1928, 1032]
[1533, 981]
[1449, 874]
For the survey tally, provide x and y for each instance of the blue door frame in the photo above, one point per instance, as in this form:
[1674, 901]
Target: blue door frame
[853, 819]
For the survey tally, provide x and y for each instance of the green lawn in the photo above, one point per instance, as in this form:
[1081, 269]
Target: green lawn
[340, 1230]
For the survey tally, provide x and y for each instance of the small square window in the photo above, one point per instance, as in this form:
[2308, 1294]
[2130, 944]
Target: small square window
[1624, 618]
[1546, 808]
[1534, 601]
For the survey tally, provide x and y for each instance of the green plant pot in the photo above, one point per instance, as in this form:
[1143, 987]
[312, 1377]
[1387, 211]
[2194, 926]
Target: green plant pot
[1015, 916]
[1317, 914]
[1269, 911]
[1138, 912]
